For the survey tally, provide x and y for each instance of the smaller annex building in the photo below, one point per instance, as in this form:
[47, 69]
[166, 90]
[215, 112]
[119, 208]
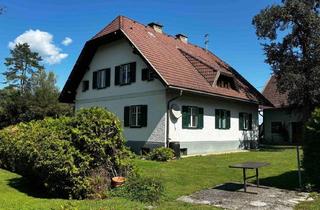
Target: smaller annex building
[281, 125]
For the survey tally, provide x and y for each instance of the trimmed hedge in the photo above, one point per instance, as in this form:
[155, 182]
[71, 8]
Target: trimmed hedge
[311, 149]
[70, 157]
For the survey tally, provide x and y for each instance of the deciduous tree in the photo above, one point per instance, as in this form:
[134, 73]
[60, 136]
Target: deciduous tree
[291, 34]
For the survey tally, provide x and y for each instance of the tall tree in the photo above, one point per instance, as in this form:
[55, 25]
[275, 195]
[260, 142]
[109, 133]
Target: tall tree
[21, 66]
[291, 34]
[44, 98]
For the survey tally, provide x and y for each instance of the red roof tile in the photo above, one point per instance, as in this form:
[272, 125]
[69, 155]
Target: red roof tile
[273, 95]
[179, 64]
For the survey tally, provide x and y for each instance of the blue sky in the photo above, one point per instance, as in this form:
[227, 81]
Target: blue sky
[228, 23]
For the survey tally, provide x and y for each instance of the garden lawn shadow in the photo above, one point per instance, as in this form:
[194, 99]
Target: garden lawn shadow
[24, 185]
[287, 180]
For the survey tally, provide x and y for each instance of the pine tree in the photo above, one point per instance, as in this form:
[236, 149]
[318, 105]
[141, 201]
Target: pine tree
[21, 66]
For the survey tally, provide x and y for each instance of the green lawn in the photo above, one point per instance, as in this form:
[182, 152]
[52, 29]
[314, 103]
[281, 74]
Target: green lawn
[181, 177]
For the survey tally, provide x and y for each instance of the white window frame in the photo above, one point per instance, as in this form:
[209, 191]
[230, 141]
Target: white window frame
[135, 116]
[245, 121]
[222, 119]
[194, 115]
[125, 74]
[101, 79]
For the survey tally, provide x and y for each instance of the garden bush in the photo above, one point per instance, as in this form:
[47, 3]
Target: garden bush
[70, 157]
[161, 154]
[143, 189]
[311, 149]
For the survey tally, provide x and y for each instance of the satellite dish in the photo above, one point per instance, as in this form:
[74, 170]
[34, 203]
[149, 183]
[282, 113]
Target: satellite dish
[175, 111]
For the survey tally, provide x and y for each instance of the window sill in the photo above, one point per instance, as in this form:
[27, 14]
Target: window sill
[138, 126]
[192, 128]
[125, 84]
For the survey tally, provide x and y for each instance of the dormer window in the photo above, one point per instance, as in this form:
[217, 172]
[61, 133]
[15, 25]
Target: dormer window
[226, 82]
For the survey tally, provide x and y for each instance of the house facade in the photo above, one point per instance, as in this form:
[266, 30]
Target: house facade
[281, 125]
[164, 89]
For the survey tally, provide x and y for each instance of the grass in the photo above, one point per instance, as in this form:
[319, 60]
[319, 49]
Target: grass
[180, 177]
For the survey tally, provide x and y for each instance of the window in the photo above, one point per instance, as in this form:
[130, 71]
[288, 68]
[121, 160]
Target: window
[226, 82]
[276, 127]
[135, 116]
[245, 121]
[192, 117]
[85, 85]
[125, 74]
[101, 79]
[222, 119]
[147, 74]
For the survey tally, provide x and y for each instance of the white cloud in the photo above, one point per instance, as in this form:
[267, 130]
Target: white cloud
[42, 43]
[67, 41]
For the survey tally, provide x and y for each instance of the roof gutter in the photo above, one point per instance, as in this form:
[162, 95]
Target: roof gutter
[211, 94]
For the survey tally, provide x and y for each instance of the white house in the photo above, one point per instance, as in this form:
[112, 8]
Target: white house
[164, 89]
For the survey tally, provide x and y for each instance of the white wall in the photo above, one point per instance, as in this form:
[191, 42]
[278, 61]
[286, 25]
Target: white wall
[279, 115]
[109, 56]
[115, 98]
[209, 132]
[153, 94]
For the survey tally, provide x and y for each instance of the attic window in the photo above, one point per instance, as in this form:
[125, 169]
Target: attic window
[226, 82]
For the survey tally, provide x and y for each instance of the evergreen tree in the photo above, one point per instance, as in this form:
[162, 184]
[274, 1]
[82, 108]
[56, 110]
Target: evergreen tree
[21, 67]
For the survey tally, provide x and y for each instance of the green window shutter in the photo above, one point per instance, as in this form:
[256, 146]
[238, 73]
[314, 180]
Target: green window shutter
[133, 72]
[217, 117]
[126, 116]
[200, 118]
[94, 80]
[250, 122]
[117, 75]
[144, 116]
[241, 122]
[228, 120]
[185, 116]
[107, 77]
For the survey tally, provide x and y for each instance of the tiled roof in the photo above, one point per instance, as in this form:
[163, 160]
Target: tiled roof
[180, 64]
[272, 93]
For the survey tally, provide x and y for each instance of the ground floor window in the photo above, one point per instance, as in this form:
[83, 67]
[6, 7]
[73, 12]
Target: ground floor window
[192, 117]
[245, 121]
[222, 119]
[135, 116]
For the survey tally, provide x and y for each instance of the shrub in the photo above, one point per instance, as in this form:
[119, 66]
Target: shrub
[311, 149]
[161, 154]
[69, 157]
[143, 189]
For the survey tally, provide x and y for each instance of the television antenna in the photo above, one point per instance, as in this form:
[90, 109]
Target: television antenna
[206, 41]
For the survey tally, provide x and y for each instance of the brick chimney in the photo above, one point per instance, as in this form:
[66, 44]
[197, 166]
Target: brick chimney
[156, 26]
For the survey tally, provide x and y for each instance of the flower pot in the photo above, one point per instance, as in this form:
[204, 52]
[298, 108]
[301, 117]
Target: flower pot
[117, 181]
